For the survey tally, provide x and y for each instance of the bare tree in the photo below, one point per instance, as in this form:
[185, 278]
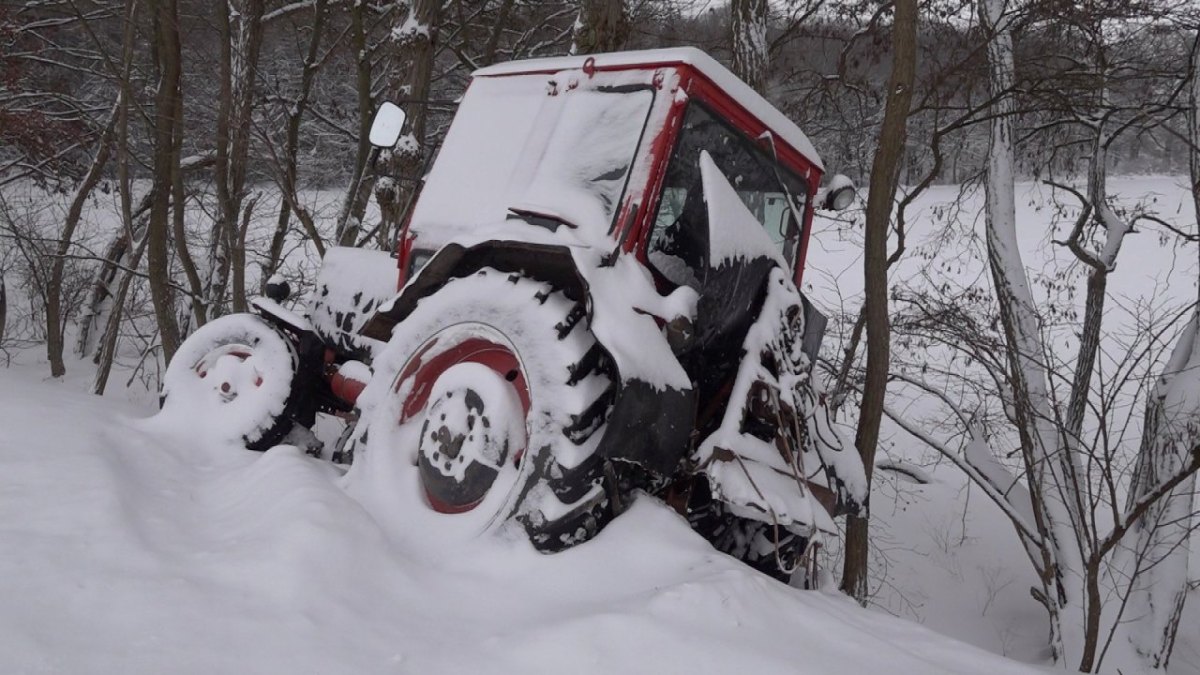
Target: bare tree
[415, 42]
[748, 26]
[54, 311]
[241, 24]
[880, 202]
[168, 128]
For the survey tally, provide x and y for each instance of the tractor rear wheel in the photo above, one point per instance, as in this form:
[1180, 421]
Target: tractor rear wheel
[509, 389]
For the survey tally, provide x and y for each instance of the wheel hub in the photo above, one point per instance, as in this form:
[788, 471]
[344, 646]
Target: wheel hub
[473, 400]
[459, 457]
[230, 369]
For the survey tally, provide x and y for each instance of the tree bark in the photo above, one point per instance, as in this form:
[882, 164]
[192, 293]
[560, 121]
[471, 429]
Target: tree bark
[881, 199]
[602, 26]
[1028, 380]
[415, 49]
[112, 327]
[167, 108]
[748, 23]
[241, 42]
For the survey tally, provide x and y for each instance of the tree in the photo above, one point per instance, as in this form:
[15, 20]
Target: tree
[748, 26]
[241, 28]
[415, 50]
[602, 26]
[1102, 543]
[880, 201]
[168, 131]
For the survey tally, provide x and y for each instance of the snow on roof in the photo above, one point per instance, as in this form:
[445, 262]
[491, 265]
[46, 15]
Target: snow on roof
[706, 65]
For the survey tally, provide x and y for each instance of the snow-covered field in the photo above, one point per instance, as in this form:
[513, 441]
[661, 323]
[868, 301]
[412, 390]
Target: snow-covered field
[128, 547]
[132, 546]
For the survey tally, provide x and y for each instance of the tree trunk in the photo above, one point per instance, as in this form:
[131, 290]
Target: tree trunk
[54, 317]
[241, 41]
[1159, 554]
[1031, 404]
[748, 23]
[416, 47]
[291, 143]
[1170, 430]
[166, 163]
[112, 328]
[3, 310]
[602, 26]
[880, 202]
[363, 181]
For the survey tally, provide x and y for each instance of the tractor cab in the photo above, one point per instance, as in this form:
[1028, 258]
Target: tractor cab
[608, 148]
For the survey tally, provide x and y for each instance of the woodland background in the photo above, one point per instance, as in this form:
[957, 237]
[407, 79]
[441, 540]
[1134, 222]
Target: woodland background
[227, 136]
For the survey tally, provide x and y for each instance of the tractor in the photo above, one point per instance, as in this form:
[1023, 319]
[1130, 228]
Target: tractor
[597, 299]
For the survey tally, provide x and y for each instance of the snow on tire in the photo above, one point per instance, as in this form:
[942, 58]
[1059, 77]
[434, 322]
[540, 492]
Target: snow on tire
[234, 377]
[479, 352]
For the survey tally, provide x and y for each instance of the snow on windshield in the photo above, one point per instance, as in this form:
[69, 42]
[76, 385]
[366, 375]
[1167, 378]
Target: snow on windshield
[561, 145]
[588, 156]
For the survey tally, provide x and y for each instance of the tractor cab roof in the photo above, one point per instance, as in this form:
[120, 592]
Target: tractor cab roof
[688, 58]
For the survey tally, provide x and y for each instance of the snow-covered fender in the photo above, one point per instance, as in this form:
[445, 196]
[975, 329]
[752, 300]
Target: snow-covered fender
[351, 285]
[653, 403]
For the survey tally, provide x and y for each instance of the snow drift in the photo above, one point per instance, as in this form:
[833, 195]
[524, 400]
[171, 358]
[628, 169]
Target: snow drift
[126, 546]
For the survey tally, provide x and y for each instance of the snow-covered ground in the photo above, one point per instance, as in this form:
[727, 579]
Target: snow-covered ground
[127, 547]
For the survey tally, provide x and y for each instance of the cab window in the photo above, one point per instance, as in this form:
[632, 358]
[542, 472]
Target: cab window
[678, 241]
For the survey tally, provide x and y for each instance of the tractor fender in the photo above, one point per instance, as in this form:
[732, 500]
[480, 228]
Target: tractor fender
[350, 286]
[650, 421]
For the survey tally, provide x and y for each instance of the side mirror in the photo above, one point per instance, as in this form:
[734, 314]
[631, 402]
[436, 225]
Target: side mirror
[838, 194]
[387, 125]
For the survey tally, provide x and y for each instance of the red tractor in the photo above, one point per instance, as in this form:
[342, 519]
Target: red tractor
[597, 295]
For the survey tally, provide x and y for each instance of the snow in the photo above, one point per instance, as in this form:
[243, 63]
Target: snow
[588, 156]
[126, 548]
[735, 234]
[236, 368]
[945, 554]
[749, 99]
[555, 145]
[489, 445]
[410, 30]
[489, 306]
[351, 285]
[624, 302]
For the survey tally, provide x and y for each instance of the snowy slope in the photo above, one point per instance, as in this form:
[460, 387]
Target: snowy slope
[125, 547]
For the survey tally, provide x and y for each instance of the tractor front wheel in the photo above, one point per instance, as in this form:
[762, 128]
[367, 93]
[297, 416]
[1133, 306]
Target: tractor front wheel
[237, 373]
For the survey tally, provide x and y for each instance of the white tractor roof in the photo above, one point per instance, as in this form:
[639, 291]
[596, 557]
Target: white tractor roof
[749, 99]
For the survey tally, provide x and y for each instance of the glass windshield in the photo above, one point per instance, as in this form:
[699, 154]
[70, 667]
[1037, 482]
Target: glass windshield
[522, 142]
[582, 173]
[680, 231]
